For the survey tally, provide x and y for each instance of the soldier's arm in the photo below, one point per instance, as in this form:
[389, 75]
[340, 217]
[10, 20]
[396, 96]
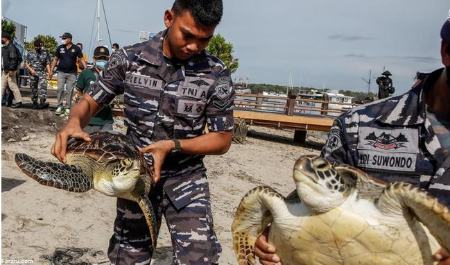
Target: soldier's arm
[49, 62]
[80, 115]
[29, 68]
[100, 93]
[335, 148]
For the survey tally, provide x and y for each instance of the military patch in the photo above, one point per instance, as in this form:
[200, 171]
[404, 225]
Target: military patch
[190, 107]
[115, 60]
[223, 87]
[388, 149]
[193, 87]
[334, 140]
[389, 140]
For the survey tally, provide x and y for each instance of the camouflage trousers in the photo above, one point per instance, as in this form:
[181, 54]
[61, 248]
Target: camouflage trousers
[191, 229]
[38, 86]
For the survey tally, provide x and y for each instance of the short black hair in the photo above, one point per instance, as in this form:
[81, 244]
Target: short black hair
[38, 43]
[205, 12]
[80, 44]
[115, 45]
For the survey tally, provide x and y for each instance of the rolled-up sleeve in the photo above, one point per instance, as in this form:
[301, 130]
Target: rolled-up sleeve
[111, 80]
[219, 109]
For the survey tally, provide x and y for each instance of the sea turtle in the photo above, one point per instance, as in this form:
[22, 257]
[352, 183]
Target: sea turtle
[109, 163]
[340, 215]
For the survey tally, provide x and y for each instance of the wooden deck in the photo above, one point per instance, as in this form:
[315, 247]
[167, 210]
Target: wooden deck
[283, 121]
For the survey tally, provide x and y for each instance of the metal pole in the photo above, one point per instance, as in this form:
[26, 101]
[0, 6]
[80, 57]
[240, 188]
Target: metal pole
[98, 22]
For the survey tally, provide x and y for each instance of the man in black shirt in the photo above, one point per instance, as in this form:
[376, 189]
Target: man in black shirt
[66, 58]
[11, 59]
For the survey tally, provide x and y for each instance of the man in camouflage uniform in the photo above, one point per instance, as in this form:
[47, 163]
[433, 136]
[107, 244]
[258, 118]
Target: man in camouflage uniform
[38, 65]
[404, 138]
[172, 89]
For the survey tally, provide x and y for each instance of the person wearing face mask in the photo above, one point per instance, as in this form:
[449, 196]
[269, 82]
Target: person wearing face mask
[11, 59]
[403, 138]
[37, 63]
[103, 120]
[67, 56]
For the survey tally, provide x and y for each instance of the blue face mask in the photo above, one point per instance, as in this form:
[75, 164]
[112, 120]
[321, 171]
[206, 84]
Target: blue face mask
[101, 64]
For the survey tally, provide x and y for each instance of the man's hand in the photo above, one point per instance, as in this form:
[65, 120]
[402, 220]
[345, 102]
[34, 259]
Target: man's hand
[33, 72]
[60, 146]
[265, 251]
[442, 257]
[159, 151]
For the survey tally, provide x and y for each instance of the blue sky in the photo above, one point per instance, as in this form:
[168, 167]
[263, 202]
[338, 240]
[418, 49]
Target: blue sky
[320, 43]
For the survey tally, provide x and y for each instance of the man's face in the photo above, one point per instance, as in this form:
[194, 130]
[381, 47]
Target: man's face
[66, 41]
[4, 41]
[185, 37]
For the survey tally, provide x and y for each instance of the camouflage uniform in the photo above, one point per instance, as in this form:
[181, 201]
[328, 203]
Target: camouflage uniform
[395, 140]
[168, 100]
[38, 61]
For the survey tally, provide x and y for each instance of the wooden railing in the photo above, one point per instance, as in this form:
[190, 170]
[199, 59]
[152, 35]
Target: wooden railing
[290, 106]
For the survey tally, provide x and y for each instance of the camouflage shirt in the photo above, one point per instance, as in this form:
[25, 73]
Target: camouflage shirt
[38, 60]
[168, 100]
[393, 139]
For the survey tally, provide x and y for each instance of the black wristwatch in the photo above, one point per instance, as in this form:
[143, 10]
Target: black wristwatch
[177, 145]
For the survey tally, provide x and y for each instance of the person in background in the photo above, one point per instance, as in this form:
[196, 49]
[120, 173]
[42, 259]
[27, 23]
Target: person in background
[115, 47]
[85, 57]
[67, 56]
[11, 58]
[38, 63]
[103, 120]
[385, 85]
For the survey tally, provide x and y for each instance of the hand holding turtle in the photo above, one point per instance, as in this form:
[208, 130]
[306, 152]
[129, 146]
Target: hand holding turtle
[442, 257]
[265, 251]
[159, 151]
[60, 146]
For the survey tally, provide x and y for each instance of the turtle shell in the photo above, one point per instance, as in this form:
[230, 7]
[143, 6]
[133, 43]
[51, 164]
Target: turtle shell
[104, 147]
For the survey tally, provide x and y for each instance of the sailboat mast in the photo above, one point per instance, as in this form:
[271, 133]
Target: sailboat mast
[98, 22]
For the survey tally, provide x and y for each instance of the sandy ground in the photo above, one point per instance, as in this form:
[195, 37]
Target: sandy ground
[51, 226]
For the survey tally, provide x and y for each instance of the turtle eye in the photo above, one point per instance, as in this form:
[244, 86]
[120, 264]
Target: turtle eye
[126, 163]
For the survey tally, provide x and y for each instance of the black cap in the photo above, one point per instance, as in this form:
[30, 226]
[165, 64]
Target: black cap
[6, 35]
[38, 43]
[101, 52]
[386, 73]
[66, 35]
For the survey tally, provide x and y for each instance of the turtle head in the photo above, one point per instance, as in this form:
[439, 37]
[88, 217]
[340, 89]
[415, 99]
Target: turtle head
[320, 185]
[125, 174]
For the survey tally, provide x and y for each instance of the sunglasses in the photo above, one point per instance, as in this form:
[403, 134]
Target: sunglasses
[63, 38]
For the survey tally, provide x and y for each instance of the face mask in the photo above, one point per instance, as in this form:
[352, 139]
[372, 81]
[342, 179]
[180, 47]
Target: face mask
[113, 50]
[64, 42]
[101, 64]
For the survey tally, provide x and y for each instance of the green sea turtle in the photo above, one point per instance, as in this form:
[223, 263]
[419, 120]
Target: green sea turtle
[109, 163]
[340, 215]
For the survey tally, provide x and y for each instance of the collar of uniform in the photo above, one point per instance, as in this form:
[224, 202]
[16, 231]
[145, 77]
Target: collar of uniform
[152, 53]
[411, 103]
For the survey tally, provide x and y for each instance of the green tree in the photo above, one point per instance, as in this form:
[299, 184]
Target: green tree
[9, 27]
[50, 43]
[219, 47]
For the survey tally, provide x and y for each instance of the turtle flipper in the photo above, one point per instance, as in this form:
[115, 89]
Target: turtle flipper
[58, 175]
[150, 218]
[252, 216]
[434, 215]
